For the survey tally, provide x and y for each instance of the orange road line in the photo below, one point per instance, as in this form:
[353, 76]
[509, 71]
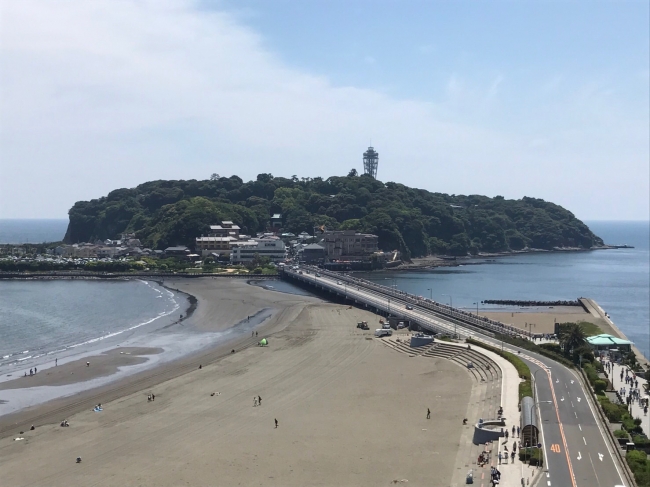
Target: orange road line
[557, 413]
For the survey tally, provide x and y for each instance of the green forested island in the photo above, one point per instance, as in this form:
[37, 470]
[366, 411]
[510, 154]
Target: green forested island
[414, 221]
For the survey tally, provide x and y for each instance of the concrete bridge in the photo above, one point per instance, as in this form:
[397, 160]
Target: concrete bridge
[427, 314]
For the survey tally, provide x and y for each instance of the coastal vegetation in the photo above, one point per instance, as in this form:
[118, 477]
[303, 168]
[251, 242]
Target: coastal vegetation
[415, 221]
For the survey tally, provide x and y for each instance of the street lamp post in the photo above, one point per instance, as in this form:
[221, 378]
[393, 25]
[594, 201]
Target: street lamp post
[476, 303]
[430, 294]
[451, 301]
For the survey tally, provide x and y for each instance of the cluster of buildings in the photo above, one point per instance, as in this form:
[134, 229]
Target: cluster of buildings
[225, 242]
[327, 247]
[126, 246]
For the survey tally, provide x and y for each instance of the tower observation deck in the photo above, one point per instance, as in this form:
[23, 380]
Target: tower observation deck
[370, 162]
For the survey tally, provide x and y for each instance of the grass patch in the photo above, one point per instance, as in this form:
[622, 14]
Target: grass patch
[525, 387]
[590, 329]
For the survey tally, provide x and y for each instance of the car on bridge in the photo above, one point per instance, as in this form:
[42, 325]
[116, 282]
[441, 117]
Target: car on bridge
[408, 306]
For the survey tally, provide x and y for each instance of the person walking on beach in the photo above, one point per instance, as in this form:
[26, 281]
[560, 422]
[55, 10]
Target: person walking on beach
[254, 401]
[35, 370]
[428, 413]
[56, 362]
[276, 423]
[255, 333]
[259, 400]
[153, 397]
[31, 372]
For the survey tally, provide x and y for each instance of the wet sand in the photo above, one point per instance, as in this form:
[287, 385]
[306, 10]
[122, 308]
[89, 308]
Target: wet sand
[71, 372]
[350, 411]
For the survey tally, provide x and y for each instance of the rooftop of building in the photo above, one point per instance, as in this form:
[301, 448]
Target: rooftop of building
[605, 339]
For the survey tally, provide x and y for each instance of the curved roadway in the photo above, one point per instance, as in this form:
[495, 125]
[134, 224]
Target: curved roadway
[576, 450]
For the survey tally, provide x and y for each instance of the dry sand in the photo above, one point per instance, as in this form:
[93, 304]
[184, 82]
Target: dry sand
[543, 319]
[350, 411]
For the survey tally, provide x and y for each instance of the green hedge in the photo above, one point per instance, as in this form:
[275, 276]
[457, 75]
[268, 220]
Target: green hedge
[525, 387]
[533, 347]
[535, 456]
[614, 412]
[621, 434]
[638, 462]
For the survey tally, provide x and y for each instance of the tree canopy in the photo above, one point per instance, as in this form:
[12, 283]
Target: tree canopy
[415, 221]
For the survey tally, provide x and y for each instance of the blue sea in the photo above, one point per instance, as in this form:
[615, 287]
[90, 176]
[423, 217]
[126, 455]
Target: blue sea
[619, 280]
[32, 231]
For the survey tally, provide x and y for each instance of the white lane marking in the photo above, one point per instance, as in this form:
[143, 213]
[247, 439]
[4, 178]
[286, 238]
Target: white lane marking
[579, 456]
[583, 439]
[548, 482]
[575, 414]
[602, 434]
[600, 455]
[548, 475]
[580, 427]
[572, 404]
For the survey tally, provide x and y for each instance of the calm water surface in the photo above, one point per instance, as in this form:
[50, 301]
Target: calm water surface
[619, 280]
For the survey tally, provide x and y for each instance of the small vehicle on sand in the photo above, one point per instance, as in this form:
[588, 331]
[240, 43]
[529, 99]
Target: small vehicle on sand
[380, 332]
[363, 325]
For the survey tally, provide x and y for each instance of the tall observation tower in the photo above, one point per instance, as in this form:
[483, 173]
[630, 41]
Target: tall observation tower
[370, 162]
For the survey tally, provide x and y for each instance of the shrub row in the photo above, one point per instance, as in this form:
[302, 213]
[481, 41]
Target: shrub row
[535, 456]
[638, 462]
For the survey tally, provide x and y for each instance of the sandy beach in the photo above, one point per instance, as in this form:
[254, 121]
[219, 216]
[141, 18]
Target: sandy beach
[542, 319]
[350, 411]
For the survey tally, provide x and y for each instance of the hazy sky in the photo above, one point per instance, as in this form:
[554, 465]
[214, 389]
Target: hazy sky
[519, 98]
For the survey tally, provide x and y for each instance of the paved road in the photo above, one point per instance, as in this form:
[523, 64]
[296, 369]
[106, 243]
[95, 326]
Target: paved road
[576, 451]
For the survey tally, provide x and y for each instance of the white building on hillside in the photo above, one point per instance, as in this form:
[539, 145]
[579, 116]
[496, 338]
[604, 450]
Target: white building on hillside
[271, 247]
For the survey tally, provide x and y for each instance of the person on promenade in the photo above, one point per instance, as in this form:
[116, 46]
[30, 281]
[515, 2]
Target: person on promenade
[517, 431]
[513, 430]
[507, 433]
[276, 423]
[428, 413]
[500, 456]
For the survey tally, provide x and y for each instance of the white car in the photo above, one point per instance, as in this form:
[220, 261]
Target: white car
[380, 332]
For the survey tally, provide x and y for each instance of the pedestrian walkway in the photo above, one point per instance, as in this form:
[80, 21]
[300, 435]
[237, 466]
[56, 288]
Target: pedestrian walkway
[618, 384]
[511, 472]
